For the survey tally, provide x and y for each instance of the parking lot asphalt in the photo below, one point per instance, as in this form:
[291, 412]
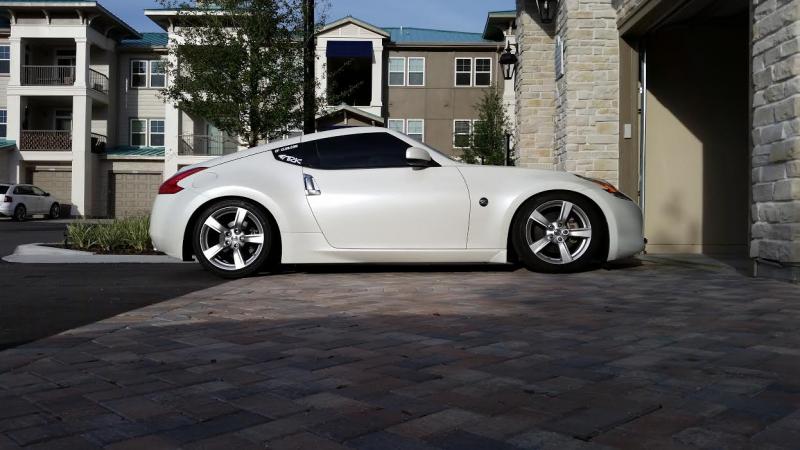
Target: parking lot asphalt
[39, 300]
[680, 353]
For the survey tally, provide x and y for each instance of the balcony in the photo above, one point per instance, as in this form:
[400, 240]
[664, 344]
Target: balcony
[98, 81]
[206, 145]
[45, 140]
[48, 75]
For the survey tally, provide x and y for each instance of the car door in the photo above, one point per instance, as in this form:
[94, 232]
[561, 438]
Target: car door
[43, 201]
[24, 194]
[364, 195]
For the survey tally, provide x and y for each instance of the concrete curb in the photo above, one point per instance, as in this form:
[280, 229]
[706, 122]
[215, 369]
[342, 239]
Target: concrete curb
[42, 254]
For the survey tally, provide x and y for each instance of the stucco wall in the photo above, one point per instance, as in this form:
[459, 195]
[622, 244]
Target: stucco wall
[776, 138]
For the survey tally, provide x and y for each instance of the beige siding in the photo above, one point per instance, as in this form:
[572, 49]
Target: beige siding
[135, 102]
[439, 102]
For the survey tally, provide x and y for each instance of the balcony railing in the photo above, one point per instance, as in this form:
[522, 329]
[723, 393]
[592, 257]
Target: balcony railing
[98, 81]
[204, 145]
[99, 142]
[48, 75]
[45, 140]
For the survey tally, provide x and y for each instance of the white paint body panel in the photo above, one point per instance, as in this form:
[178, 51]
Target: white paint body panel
[396, 215]
[392, 208]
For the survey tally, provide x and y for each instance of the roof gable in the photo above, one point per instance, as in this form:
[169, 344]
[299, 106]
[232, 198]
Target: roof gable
[350, 26]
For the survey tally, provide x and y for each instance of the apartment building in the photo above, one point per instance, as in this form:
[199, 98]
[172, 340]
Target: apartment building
[81, 113]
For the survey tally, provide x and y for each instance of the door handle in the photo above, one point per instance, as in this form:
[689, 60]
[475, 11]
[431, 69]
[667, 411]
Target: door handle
[311, 185]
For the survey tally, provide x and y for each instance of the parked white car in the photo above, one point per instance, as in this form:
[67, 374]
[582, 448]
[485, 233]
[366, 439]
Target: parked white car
[20, 201]
[372, 195]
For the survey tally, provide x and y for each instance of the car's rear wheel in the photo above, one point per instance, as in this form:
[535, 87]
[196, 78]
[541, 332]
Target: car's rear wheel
[559, 232]
[55, 211]
[232, 238]
[20, 213]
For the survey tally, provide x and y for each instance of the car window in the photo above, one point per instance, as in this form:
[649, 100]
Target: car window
[23, 190]
[361, 151]
[4, 188]
[301, 154]
[37, 191]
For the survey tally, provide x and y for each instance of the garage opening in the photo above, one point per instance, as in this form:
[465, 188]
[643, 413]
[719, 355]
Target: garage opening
[132, 194]
[695, 135]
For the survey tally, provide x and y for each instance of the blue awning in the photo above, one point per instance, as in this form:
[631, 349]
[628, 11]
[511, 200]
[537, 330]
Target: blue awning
[349, 49]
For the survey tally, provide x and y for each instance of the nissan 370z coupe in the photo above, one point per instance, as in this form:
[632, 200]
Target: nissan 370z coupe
[372, 195]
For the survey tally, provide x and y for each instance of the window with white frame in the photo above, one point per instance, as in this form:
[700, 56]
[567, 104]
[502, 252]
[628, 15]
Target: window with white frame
[462, 130]
[139, 132]
[398, 125]
[148, 73]
[3, 123]
[483, 72]
[415, 129]
[147, 132]
[464, 72]
[416, 71]
[156, 133]
[158, 74]
[397, 71]
[5, 59]
[138, 74]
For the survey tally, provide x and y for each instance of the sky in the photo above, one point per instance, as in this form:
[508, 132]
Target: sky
[457, 15]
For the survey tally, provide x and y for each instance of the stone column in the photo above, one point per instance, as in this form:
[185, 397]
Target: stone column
[82, 158]
[775, 244]
[587, 103]
[535, 86]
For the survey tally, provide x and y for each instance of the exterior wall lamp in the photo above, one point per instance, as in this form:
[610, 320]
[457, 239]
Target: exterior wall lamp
[547, 10]
[508, 60]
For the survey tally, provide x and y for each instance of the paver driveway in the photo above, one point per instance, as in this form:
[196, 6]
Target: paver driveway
[661, 355]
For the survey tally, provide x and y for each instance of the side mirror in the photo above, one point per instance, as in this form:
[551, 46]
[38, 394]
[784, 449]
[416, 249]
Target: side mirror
[418, 157]
[47, 194]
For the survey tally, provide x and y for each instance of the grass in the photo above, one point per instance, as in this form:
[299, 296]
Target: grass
[122, 236]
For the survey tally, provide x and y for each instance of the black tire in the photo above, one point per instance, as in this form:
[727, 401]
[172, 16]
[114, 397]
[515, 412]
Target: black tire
[553, 245]
[224, 263]
[55, 211]
[20, 213]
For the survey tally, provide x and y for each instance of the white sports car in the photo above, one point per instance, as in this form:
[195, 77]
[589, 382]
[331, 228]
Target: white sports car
[372, 195]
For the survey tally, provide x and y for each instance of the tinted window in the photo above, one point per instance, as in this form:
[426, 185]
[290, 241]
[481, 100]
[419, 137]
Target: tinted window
[358, 151]
[302, 154]
[37, 191]
[4, 188]
[23, 190]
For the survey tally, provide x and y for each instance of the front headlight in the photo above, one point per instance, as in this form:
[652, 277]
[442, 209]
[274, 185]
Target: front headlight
[606, 186]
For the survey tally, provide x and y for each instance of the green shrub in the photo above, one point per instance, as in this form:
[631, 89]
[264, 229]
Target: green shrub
[119, 236]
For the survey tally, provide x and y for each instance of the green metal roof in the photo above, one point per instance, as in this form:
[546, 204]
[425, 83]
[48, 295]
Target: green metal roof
[127, 150]
[148, 40]
[496, 23]
[405, 35]
[7, 143]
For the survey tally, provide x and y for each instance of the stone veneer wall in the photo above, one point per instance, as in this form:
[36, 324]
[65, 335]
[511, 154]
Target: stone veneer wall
[776, 138]
[588, 123]
[584, 136]
[535, 85]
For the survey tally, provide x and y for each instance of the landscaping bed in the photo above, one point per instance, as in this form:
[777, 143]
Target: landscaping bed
[118, 237]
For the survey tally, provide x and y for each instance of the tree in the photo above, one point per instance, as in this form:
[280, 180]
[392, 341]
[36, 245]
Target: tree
[239, 65]
[488, 143]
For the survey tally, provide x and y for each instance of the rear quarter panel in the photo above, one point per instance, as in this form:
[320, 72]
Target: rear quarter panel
[275, 185]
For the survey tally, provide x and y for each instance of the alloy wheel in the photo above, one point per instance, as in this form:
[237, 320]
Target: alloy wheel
[232, 238]
[558, 232]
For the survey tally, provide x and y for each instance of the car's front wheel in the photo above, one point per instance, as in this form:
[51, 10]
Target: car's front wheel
[559, 232]
[232, 238]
